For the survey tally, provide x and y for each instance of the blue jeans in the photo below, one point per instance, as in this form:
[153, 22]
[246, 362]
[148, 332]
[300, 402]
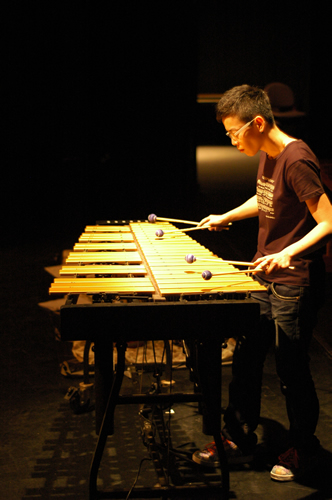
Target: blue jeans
[287, 317]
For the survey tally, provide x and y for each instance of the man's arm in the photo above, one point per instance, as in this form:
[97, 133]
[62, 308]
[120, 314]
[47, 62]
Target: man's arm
[244, 211]
[321, 210]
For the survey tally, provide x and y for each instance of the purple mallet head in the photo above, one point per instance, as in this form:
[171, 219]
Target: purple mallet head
[190, 258]
[152, 218]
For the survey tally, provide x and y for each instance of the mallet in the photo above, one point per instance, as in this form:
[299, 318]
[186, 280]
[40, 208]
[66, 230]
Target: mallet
[191, 258]
[154, 218]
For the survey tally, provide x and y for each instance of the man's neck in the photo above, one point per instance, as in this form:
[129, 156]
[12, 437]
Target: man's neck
[275, 141]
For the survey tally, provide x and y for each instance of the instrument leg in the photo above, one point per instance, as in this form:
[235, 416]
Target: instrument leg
[209, 355]
[104, 377]
[106, 427]
[86, 376]
[169, 362]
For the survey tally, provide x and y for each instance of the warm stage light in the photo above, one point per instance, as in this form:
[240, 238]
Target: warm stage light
[223, 167]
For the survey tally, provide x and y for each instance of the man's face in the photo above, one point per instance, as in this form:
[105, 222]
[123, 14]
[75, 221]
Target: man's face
[248, 141]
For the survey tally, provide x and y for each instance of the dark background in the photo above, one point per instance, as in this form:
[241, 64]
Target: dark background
[99, 119]
[98, 102]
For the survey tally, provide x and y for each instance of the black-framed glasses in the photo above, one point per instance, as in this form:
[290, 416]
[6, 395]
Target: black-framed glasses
[234, 135]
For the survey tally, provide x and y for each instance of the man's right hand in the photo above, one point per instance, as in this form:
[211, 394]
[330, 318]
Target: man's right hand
[214, 222]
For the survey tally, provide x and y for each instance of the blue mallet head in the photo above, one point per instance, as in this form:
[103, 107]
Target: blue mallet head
[207, 275]
[159, 233]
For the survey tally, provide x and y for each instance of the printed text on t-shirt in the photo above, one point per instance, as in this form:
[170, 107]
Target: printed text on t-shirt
[265, 189]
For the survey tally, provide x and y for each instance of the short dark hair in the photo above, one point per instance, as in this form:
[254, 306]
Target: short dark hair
[246, 102]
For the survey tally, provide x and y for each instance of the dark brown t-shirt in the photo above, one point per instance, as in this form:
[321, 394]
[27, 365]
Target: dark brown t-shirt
[284, 184]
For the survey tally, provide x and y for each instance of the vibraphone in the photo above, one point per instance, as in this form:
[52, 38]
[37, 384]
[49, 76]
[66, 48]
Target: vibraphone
[142, 288]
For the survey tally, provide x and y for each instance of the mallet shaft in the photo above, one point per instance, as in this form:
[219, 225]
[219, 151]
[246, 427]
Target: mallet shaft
[185, 230]
[192, 258]
[178, 220]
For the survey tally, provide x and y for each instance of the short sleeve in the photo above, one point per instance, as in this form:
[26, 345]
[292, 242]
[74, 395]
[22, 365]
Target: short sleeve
[303, 177]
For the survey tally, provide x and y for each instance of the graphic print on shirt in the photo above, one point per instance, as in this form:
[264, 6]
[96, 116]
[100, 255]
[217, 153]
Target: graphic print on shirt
[265, 189]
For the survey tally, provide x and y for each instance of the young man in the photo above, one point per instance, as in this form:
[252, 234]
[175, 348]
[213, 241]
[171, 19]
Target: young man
[295, 221]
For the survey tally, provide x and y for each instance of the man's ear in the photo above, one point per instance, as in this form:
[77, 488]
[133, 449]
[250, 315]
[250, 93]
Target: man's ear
[260, 123]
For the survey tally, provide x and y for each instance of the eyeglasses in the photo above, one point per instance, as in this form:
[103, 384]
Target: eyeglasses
[234, 135]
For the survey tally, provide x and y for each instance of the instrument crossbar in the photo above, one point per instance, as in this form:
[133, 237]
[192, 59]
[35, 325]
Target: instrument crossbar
[131, 257]
[107, 229]
[112, 237]
[102, 285]
[104, 246]
[135, 270]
